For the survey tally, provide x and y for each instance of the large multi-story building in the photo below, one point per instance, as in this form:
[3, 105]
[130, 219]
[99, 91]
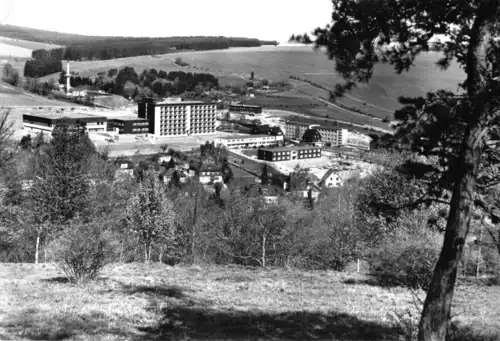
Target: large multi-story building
[287, 153]
[45, 122]
[243, 108]
[174, 117]
[334, 136]
[129, 125]
[262, 129]
[249, 141]
[357, 140]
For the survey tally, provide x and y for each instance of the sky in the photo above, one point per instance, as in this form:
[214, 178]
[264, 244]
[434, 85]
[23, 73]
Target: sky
[262, 19]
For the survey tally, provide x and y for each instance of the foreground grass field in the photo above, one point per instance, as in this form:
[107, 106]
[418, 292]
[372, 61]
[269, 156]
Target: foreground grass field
[157, 302]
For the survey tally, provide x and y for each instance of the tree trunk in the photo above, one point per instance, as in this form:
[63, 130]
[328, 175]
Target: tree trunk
[37, 247]
[264, 250]
[161, 254]
[478, 261]
[121, 252]
[436, 312]
[146, 260]
[437, 306]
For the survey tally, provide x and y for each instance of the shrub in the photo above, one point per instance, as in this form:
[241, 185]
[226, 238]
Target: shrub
[10, 75]
[82, 250]
[408, 256]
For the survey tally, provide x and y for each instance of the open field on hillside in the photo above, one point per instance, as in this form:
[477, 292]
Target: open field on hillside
[30, 45]
[315, 108]
[7, 50]
[280, 100]
[11, 97]
[278, 63]
[158, 302]
[162, 62]
[332, 113]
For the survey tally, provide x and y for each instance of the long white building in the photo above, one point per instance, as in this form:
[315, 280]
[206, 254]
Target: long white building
[174, 117]
[249, 141]
[45, 122]
[334, 136]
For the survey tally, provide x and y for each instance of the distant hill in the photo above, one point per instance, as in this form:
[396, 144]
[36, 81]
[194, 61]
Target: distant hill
[81, 47]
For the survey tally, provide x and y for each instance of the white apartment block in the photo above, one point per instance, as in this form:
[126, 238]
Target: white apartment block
[248, 141]
[335, 136]
[184, 118]
[45, 122]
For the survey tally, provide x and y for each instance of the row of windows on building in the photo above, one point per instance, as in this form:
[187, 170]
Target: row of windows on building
[183, 125]
[252, 140]
[301, 156]
[308, 151]
[183, 110]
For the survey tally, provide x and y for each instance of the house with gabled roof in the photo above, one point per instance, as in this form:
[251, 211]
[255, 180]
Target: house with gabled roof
[210, 173]
[331, 179]
[313, 136]
[336, 178]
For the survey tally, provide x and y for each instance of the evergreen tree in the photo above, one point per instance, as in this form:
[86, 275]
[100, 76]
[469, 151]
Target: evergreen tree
[458, 128]
[171, 163]
[61, 187]
[175, 181]
[264, 175]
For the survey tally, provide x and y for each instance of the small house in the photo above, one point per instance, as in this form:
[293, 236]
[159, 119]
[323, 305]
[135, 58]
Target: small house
[331, 179]
[210, 174]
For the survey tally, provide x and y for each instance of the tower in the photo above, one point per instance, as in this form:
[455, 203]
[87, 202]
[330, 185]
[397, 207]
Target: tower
[68, 77]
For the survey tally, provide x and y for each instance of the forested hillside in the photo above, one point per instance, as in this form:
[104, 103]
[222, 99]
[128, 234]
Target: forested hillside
[79, 47]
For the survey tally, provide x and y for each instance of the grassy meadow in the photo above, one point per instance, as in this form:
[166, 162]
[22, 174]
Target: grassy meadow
[159, 302]
[7, 50]
[16, 97]
[278, 63]
[30, 45]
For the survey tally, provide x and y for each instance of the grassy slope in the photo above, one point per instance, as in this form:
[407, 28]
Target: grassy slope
[8, 50]
[278, 63]
[156, 302]
[30, 45]
[15, 97]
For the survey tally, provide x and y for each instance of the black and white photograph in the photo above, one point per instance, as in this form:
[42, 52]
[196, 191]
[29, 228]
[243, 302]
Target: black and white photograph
[250, 170]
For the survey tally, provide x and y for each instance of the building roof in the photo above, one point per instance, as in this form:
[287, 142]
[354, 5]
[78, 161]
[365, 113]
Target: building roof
[318, 126]
[276, 131]
[289, 149]
[311, 135]
[70, 115]
[184, 103]
[210, 168]
[326, 176]
[126, 118]
[246, 105]
[233, 137]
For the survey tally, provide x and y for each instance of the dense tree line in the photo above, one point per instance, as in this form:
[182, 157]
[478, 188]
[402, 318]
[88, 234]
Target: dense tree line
[104, 49]
[67, 39]
[76, 81]
[129, 83]
[39, 68]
